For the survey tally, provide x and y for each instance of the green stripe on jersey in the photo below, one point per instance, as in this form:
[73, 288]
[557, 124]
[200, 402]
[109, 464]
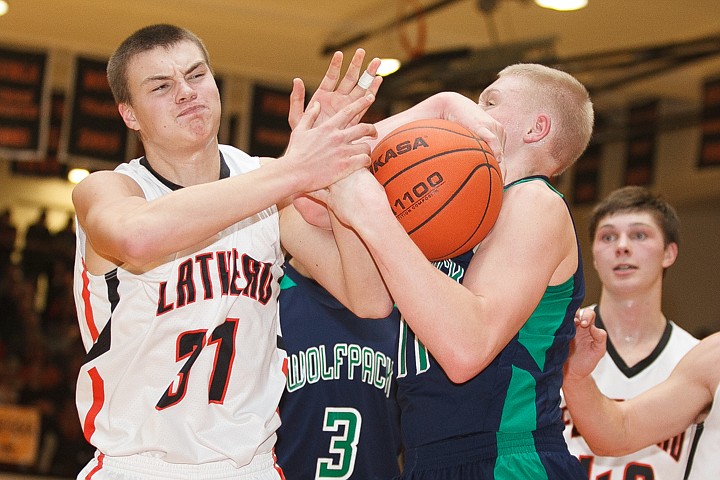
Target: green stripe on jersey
[517, 458]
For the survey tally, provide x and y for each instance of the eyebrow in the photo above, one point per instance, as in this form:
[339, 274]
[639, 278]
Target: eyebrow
[631, 225]
[153, 78]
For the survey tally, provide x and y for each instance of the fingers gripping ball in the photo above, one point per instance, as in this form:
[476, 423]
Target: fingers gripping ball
[443, 183]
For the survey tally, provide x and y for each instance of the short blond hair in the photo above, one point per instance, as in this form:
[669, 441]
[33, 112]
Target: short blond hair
[568, 102]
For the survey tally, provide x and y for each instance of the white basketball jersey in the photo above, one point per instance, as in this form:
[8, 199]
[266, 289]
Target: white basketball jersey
[705, 463]
[664, 461]
[183, 361]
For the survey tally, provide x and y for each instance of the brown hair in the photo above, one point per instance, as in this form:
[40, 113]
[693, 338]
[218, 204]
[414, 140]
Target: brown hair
[638, 199]
[143, 40]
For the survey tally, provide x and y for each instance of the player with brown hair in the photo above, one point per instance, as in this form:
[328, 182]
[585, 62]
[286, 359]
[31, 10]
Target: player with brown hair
[686, 398]
[635, 238]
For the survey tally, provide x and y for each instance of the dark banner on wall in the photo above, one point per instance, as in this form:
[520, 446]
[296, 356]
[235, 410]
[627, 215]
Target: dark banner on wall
[48, 165]
[94, 130]
[269, 128]
[24, 91]
[710, 149]
[642, 124]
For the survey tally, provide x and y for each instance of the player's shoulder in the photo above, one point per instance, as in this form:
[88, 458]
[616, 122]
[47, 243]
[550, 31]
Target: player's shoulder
[101, 183]
[681, 336]
[699, 365]
[536, 199]
[531, 190]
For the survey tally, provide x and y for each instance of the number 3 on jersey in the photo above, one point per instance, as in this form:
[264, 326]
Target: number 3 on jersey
[346, 421]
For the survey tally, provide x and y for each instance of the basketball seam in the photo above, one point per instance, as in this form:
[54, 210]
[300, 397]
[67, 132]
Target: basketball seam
[439, 154]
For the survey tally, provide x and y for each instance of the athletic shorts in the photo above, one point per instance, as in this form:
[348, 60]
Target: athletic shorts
[141, 467]
[540, 455]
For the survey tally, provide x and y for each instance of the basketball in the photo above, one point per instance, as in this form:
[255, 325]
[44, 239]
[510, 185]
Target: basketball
[443, 183]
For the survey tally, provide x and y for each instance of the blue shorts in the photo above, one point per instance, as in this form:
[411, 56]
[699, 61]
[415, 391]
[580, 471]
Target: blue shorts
[539, 455]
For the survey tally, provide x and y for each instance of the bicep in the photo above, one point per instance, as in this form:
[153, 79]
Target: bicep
[513, 267]
[665, 410]
[100, 202]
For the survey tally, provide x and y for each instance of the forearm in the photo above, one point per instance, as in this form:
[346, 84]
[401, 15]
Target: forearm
[450, 106]
[137, 232]
[447, 317]
[436, 106]
[364, 290]
[600, 420]
[338, 260]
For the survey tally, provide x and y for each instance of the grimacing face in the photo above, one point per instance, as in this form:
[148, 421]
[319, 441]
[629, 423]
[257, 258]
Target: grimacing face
[175, 100]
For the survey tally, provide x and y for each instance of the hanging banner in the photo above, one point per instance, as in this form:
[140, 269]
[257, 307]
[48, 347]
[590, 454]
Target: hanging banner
[24, 96]
[94, 135]
[269, 128]
[48, 165]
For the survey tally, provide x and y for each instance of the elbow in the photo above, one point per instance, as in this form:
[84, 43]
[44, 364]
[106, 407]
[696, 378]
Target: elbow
[608, 450]
[137, 249]
[461, 366]
[373, 311]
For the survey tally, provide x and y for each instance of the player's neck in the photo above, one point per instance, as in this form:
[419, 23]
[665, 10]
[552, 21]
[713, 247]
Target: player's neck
[186, 168]
[632, 324]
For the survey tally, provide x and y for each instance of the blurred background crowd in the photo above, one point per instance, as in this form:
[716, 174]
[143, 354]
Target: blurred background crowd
[40, 346]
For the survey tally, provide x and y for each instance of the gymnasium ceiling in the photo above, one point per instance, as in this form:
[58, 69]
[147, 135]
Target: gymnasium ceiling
[624, 50]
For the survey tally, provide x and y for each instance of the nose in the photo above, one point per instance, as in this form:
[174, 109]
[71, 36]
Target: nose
[623, 244]
[185, 92]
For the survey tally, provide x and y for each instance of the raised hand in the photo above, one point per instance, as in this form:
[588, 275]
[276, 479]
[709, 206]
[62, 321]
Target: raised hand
[588, 346]
[322, 153]
[331, 95]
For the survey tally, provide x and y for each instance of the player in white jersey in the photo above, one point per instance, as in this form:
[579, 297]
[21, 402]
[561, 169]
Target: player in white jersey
[665, 460]
[688, 397]
[177, 268]
[635, 238]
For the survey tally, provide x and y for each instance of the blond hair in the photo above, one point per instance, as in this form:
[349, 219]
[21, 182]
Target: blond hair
[567, 101]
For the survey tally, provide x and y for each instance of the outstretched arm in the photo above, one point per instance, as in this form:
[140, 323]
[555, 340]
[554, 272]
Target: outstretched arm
[333, 253]
[123, 227]
[615, 428]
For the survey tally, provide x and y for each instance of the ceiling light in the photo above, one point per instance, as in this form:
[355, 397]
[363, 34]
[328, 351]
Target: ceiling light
[562, 5]
[77, 174]
[4, 7]
[388, 66]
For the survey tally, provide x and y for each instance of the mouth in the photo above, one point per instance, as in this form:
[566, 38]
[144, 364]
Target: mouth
[191, 110]
[624, 268]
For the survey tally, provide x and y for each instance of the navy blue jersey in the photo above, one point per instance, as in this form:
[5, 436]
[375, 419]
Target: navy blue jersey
[516, 395]
[340, 418]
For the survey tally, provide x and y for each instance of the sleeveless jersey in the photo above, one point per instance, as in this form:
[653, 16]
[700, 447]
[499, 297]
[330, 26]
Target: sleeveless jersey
[182, 356]
[518, 393]
[705, 463]
[340, 417]
[666, 460]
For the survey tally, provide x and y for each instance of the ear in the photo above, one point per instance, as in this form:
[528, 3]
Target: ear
[671, 253]
[128, 115]
[539, 129]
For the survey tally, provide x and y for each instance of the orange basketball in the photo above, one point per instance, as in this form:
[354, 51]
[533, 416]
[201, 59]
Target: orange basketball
[443, 184]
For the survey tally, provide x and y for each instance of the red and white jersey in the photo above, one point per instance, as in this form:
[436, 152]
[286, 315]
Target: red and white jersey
[705, 463]
[664, 461]
[182, 356]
